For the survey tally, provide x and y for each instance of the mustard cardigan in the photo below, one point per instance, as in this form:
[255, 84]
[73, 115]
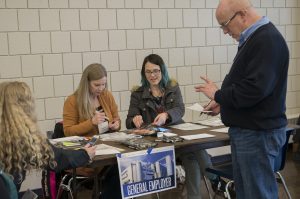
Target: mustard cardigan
[74, 125]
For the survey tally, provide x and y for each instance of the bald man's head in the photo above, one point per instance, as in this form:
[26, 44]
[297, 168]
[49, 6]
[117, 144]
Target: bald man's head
[227, 7]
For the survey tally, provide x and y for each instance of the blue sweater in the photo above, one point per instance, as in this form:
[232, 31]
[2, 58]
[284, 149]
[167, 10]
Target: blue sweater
[253, 93]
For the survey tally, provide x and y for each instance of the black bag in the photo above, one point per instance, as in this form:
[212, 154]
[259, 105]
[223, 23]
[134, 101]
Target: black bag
[58, 131]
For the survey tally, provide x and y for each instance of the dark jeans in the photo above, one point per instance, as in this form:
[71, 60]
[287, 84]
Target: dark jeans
[253, 157]
[111, 184]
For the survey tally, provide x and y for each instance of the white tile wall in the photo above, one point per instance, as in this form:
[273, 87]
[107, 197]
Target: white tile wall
[11, 21]
[175, 19]
[134, 39]
[107, 19]
[99, 40]
[52, 64]
[47, 43]
[10, 66]
[78, 3]
[166, 3]
[72, 63]
[168, 38]
[110, 59]
[151, 38]
[69, 19]
[40, 42]
[16, 4]
[150, 3]
[61, 42]
[142, 18]
[183, 37]
[89, 19]
[89, 58]
[133, 3]
[58, 4]
[127, 60]
[4, 44]
[159, 18]
[125, 19]
[176, 57]
[18, 43]
[191, 56]
[37, 3]
[80, 41]
[97, 3]
[28, 20]
[117, 40]
[31, 65]
[53, 109]
[190, 18]
[115, 4]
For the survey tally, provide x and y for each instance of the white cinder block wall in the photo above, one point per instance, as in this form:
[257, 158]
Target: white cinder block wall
[48, 43]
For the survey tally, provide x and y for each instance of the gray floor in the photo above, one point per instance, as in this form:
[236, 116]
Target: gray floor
[291, 174]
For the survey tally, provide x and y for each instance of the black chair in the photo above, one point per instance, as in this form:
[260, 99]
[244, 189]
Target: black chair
[225, 170]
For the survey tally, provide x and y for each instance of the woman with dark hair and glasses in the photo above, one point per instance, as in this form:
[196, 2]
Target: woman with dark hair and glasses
[159, 102]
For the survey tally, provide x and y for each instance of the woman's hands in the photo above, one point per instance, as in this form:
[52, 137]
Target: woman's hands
[91, 150]
[161, 119]
[114, 125]
[138, 121]
[98, 118]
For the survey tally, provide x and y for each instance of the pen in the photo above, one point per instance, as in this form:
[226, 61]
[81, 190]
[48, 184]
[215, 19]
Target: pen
[206, 106]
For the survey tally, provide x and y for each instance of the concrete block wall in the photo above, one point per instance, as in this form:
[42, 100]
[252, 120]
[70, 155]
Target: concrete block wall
[48, 43]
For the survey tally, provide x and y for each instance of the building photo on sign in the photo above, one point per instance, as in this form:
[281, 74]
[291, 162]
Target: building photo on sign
[148, 171]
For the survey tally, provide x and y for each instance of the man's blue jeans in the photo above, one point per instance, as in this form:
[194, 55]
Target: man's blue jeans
[253, 155]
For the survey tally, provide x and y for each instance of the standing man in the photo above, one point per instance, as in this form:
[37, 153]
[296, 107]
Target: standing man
[252, 97]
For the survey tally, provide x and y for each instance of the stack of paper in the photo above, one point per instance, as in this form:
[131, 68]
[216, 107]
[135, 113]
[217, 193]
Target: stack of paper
[104, 149]
[198, 107]
[188, 126]
[214, 121]
[221, 130]
[197, 136]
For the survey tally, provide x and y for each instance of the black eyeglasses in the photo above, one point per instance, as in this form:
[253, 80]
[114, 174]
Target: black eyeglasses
[224, 25]
[155, 72]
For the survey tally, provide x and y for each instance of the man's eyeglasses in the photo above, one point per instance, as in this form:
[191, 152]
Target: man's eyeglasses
[225, 24]
[155, 72]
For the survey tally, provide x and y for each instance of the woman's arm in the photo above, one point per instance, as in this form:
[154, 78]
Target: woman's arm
[71, 119]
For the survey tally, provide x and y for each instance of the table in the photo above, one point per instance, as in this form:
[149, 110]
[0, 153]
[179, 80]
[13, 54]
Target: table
[220, 139]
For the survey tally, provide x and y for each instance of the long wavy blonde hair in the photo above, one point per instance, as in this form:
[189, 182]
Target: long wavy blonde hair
[91, 72]
[22, 146]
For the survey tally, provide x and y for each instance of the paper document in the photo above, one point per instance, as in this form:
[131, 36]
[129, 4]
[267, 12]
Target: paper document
[221, 130]
[188, 126]
[66, 139]
[117, 136]
[214, 121]
[198, 107]
[197, 136]
[104, 149]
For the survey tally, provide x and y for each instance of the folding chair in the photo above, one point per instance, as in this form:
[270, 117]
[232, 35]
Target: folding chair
[226, 171]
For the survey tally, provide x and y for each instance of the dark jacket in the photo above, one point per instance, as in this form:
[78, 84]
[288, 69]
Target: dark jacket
[65, 159]
[253, 93]
[141, 103]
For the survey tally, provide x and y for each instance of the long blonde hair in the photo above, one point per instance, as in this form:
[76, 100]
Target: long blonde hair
[92, 72]
[22, 146]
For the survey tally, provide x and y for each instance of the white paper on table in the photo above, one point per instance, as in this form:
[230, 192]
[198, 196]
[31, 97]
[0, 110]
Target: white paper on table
[66, 139]
[221, 130]
[214, 121]
[197, 136]
[198, 107]
[104, 149]
[188, 126]
[117, 136]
